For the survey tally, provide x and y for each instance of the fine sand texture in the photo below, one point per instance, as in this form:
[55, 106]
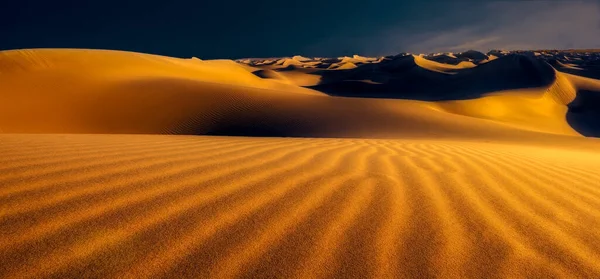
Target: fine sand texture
[80, 206]
[460, 165]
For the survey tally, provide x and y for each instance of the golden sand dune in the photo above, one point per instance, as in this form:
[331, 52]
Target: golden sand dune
[136, 206]
[78, 91]
[396, 167]
[440, 67]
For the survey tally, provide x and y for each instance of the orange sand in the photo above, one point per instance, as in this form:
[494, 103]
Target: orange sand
[499, 186]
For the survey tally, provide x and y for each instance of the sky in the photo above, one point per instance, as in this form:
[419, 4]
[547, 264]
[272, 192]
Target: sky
[274, 28]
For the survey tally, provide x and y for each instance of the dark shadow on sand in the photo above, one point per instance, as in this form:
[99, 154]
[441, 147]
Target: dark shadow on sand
[401, 78]
[584, 113]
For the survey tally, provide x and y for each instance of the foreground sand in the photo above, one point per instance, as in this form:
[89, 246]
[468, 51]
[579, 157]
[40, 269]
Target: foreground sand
[182, 206]
[276, 169]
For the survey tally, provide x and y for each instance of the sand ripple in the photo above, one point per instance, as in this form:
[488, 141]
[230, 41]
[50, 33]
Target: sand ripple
[124, 206]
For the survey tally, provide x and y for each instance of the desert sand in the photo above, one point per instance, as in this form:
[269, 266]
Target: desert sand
[460, 165]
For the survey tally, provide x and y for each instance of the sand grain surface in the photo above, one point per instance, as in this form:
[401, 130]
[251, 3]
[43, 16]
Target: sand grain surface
[84, 205]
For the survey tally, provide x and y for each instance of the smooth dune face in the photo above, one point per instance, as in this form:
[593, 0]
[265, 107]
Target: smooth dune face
[460, 165]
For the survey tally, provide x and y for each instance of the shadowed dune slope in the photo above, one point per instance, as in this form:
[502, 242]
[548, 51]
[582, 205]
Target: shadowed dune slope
[584, 109]
[520, 89]
[410, 77]
[441, 67]
[124, 206]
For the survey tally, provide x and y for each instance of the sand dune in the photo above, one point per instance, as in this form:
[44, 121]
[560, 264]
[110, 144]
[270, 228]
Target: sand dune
[464, 165]
[50, 95]
[440, 67]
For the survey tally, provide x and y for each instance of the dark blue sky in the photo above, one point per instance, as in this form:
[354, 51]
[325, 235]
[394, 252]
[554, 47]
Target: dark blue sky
[268, 28]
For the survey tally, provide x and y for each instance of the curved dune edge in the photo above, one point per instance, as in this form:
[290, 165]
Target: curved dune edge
[441, 67]
[538, 109]
[194, 207]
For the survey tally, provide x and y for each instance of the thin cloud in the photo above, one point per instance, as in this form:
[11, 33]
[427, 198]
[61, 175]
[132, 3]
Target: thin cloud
[504, 25]
[477, 44]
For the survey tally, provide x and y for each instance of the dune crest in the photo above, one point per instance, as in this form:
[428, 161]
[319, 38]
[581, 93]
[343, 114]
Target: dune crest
[440, 67]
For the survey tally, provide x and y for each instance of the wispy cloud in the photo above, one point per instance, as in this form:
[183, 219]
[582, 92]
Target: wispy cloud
[502, 25]
[477, 44]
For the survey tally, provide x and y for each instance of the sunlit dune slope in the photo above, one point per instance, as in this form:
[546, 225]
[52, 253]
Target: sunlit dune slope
[298, 77]
[441, 67]
[81, 206]
[544, 108]
[90, 67]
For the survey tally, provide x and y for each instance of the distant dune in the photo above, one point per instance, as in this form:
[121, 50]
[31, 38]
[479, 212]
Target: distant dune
[450, 165]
